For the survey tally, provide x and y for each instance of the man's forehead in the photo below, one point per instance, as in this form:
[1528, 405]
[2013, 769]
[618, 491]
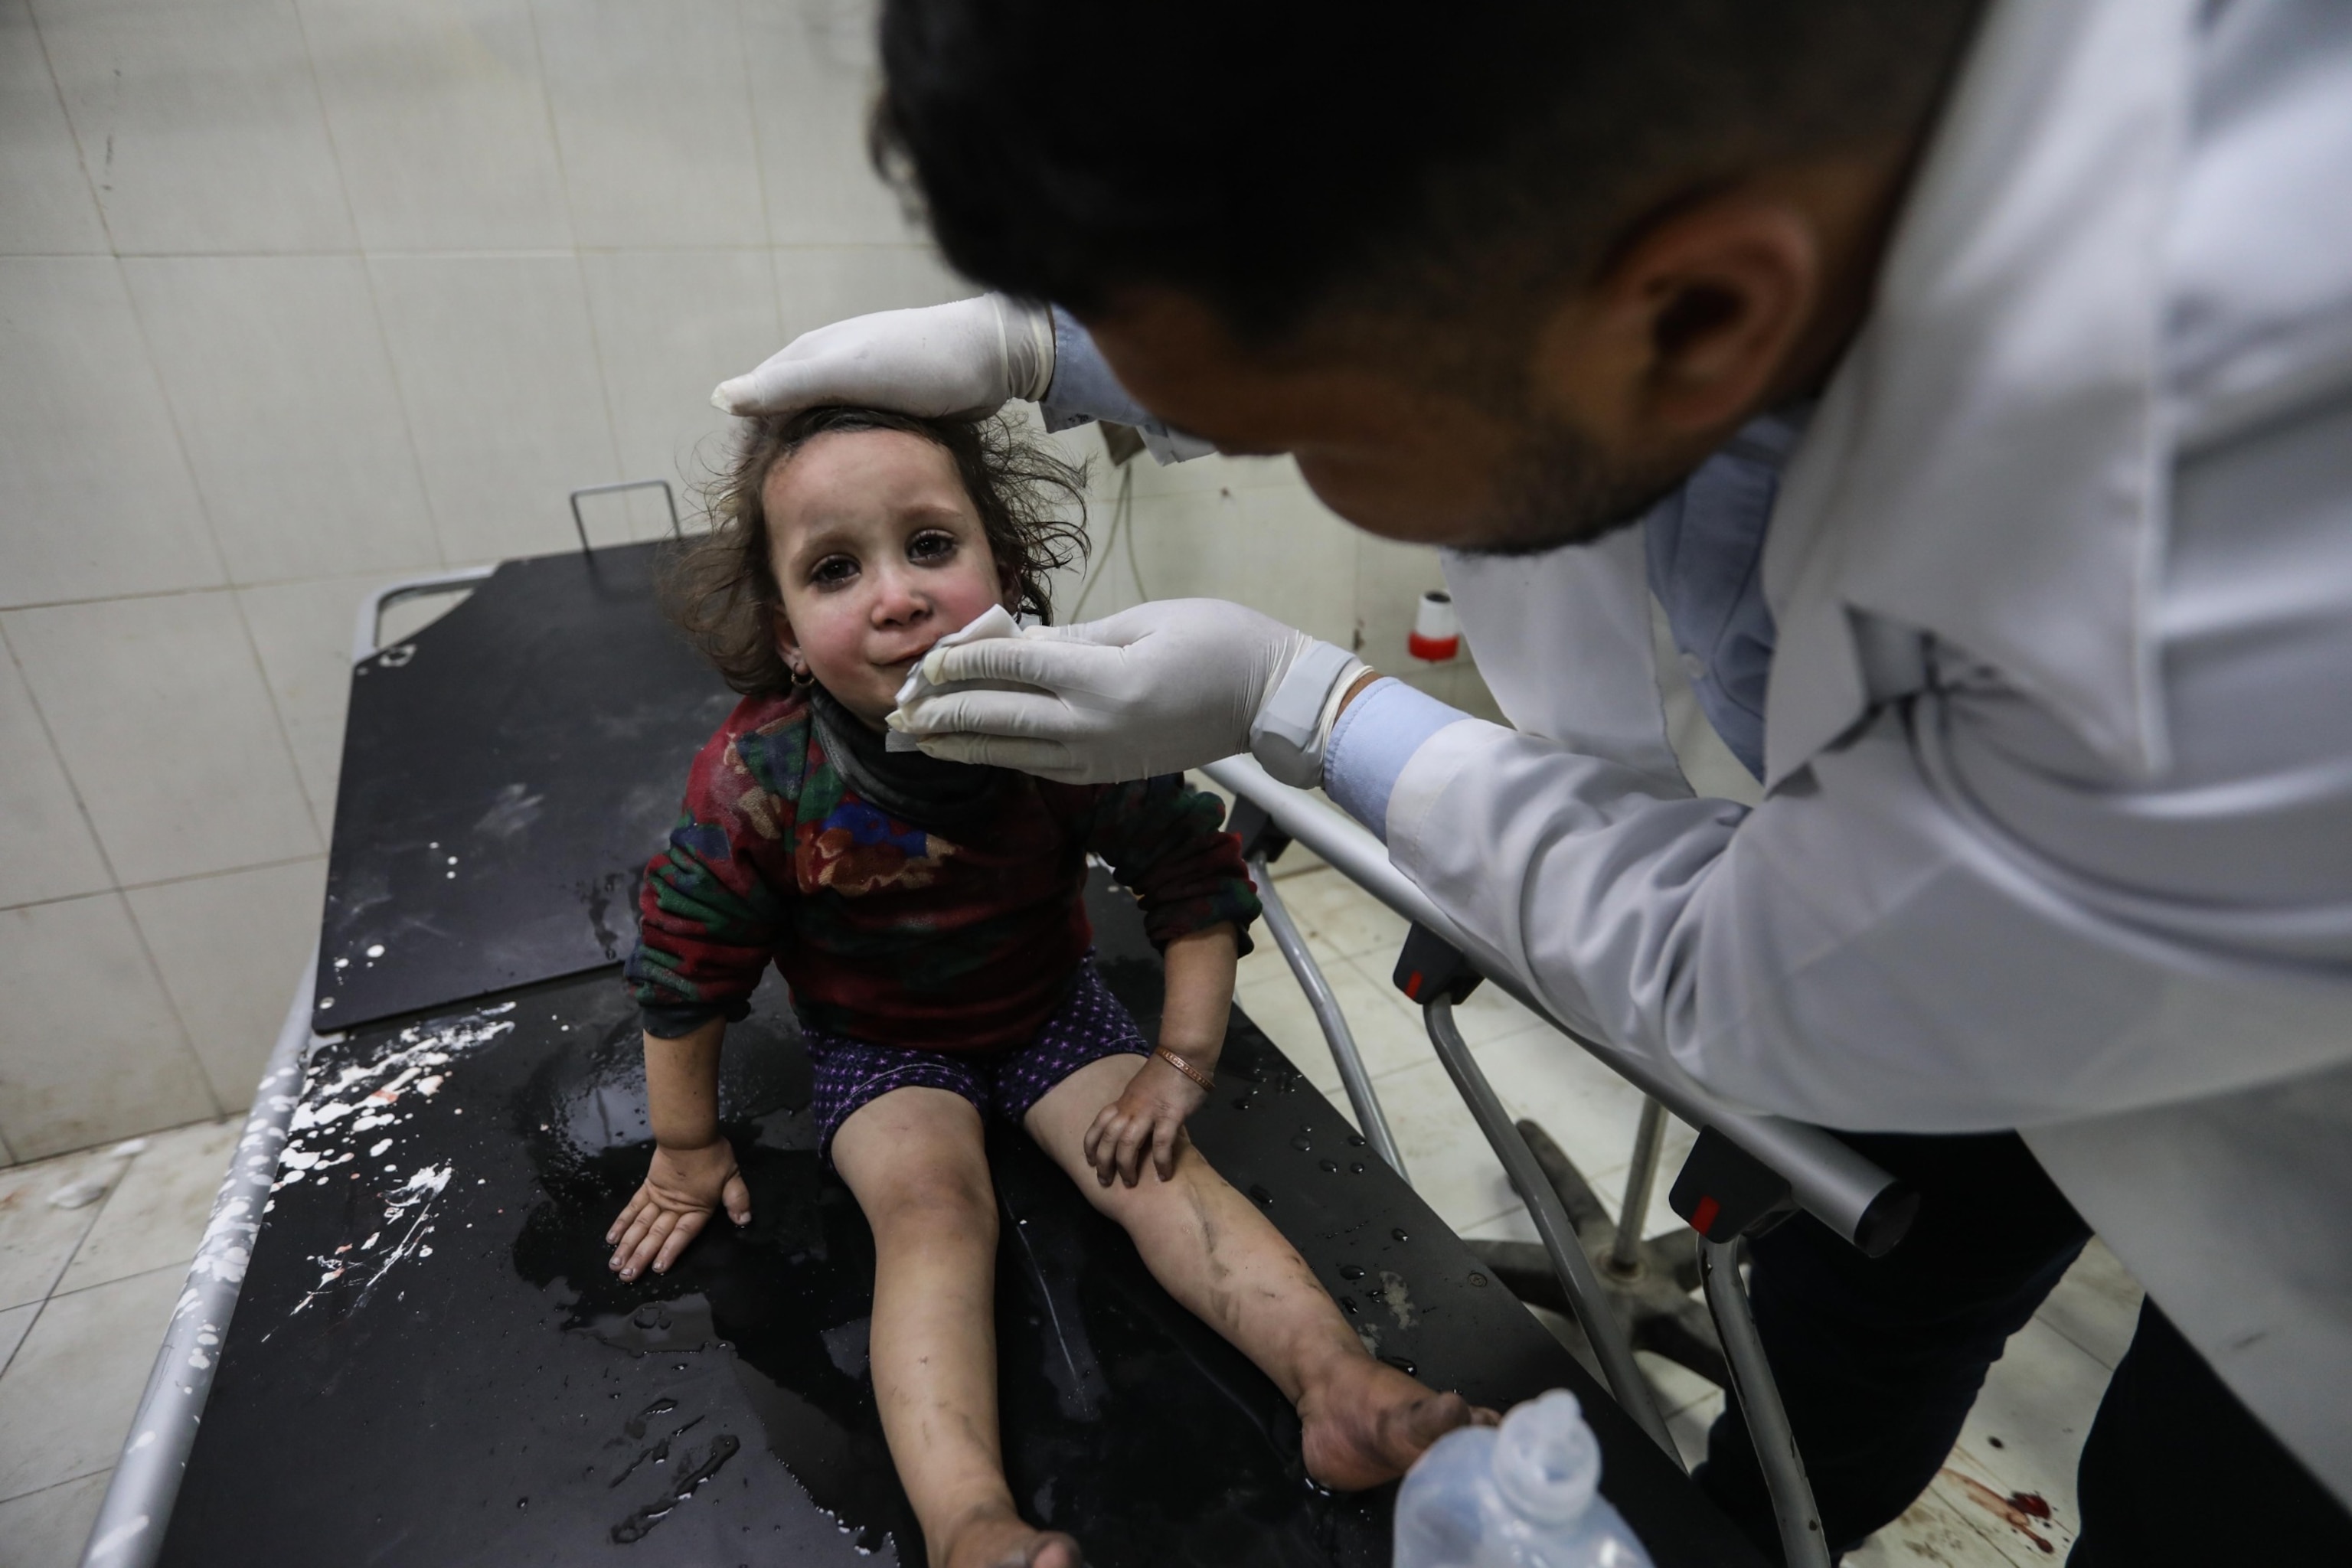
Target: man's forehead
[1167, 337]
[1179, 358]
[1183, 330]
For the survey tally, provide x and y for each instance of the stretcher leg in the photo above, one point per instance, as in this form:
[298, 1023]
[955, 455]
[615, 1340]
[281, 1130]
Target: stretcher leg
[1803, 1544]
[1336, 1033]
[1560, 1242]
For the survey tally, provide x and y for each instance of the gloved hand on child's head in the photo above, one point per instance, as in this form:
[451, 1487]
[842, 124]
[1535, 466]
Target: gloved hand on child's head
[971, 357]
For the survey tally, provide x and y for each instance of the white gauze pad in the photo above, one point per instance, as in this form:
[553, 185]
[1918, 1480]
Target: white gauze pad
[995, 622]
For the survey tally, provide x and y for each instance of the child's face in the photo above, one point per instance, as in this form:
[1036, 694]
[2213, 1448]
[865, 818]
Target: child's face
[880, 553]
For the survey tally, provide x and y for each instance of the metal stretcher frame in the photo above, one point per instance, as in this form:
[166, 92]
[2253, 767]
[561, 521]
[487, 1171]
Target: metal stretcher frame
[1839, 1187]
[1366, 1104]
[1836, 1179]
[130, 1529]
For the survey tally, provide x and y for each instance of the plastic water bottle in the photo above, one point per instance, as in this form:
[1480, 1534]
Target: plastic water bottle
[1524, 1495]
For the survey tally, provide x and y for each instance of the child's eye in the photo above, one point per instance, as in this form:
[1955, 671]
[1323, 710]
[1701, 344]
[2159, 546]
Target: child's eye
[833, 570]
[930, 546]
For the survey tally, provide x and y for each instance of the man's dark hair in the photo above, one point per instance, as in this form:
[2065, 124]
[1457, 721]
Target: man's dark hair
[1283, 160]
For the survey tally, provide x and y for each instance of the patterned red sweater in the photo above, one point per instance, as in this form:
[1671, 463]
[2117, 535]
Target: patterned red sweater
[887, 932]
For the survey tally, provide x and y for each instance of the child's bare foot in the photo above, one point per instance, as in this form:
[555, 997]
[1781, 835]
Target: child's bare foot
[1001, 1539]
[1365, 1422]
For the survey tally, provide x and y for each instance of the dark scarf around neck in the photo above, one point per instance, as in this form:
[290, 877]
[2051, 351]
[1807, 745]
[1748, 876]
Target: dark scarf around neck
[926, 792]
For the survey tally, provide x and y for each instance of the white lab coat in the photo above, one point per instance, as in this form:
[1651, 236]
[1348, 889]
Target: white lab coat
[2058, 829]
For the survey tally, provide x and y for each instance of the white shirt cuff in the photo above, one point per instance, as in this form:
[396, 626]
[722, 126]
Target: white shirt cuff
[1374, 739]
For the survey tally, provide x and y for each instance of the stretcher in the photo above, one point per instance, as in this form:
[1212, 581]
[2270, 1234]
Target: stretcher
[400, 1343]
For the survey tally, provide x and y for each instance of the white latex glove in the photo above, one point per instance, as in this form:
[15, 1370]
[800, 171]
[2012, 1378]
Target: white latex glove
[996, 621]
[970, 358]
[1155, 689]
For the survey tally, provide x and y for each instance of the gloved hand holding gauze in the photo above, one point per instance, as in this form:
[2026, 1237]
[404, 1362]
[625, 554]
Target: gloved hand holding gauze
[971, 357]
[996, 621]
[1157, 689]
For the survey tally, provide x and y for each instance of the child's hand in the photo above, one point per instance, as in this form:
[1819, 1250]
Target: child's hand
[680, 1190]
[1148, 1119]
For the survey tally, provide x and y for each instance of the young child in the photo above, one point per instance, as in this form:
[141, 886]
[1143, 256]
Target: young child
[928, 916]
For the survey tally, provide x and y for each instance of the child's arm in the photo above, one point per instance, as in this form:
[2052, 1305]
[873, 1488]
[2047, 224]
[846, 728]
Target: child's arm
[1149, 1119]
[693, 1169]
[1162, 838]
[708, 920]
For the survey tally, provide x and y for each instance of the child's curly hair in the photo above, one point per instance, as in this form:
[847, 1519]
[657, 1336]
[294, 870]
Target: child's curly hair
[721, 587]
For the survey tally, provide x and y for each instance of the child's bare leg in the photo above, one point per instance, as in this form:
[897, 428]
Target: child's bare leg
[914, 1160]
[1364, 1422]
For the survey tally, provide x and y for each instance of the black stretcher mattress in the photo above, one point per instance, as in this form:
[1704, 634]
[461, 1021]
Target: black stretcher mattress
[507, 772]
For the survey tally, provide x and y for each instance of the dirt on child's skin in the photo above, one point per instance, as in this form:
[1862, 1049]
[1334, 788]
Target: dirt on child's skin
[1127, 1423]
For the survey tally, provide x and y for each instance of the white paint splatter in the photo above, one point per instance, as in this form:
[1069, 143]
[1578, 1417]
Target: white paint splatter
[227, 1246]
[78, 1194]
[376, 950]
[364, 1095]
[1396, 1299]
[342, 1103]
[407, 1209]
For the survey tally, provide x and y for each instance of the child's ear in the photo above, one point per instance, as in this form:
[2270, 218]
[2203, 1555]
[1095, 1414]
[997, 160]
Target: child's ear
[780, 630]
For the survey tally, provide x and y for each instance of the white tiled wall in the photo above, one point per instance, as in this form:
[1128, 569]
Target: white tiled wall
[300, 296]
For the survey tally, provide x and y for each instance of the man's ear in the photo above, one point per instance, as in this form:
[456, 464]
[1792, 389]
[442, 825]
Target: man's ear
[1691, 327]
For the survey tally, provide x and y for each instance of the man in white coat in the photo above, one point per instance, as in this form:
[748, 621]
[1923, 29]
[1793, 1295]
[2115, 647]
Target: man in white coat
[1981, 382]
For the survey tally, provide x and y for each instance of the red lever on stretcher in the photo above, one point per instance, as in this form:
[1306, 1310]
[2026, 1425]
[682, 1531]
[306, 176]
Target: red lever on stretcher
[1429, 966]
[1725, 1192]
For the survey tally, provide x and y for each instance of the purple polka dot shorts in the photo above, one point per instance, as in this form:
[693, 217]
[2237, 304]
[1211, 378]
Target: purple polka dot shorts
[1088, 1025]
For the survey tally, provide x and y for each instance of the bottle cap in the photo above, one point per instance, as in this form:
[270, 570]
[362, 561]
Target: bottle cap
[1547, 1460]
[1436, 634]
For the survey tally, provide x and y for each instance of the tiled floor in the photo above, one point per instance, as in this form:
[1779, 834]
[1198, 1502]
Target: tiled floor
[84, 1292]
[84, 1295]
[2029, 1423]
